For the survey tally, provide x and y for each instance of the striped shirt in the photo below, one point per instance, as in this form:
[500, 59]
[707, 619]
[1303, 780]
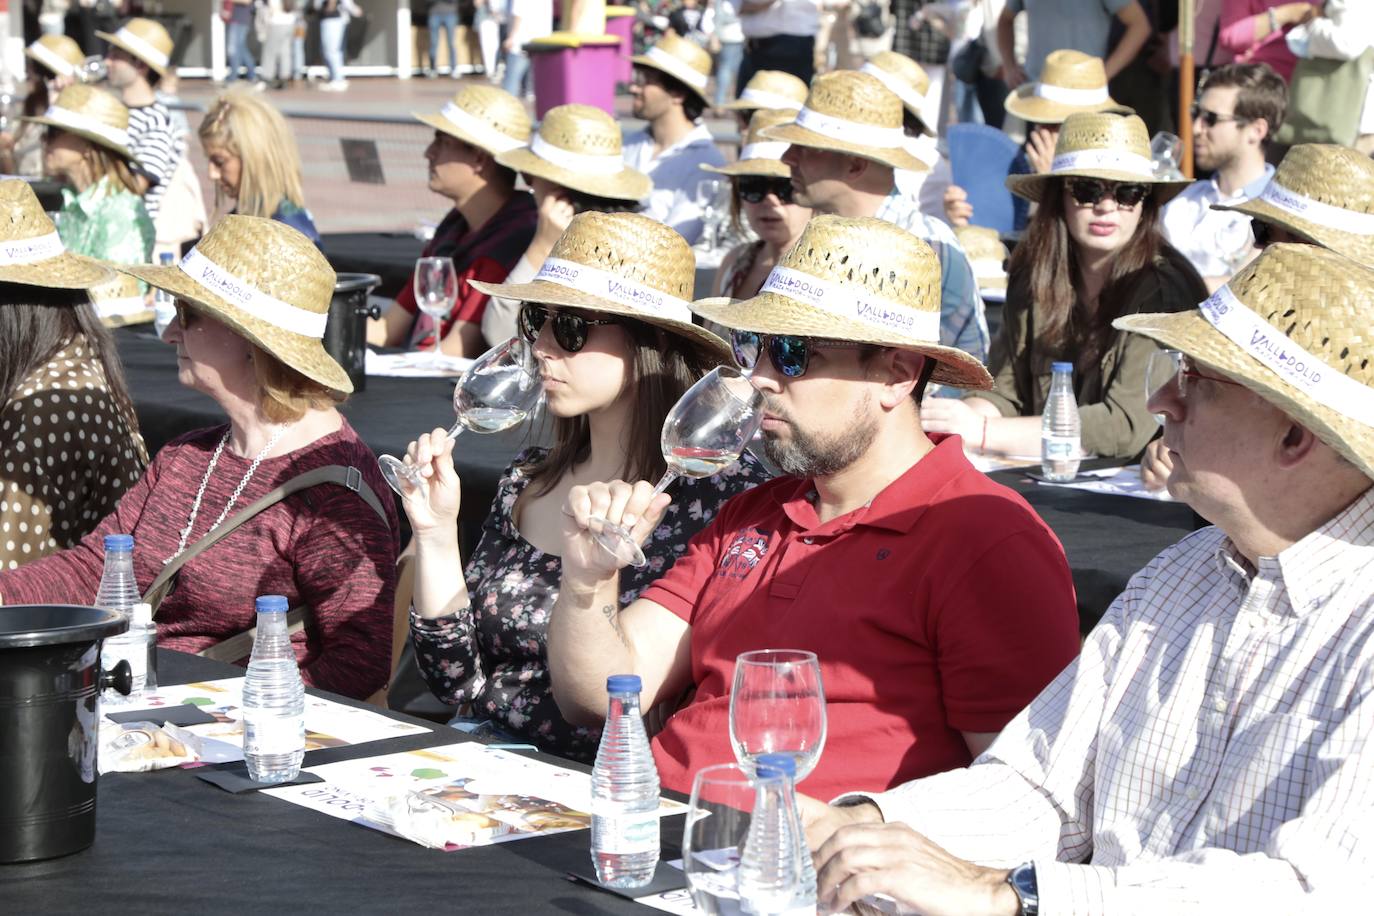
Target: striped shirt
[157, 149]
[1207, 753]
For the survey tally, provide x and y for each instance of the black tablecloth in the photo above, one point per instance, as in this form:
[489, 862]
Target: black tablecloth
[167, 842]
[389, 255]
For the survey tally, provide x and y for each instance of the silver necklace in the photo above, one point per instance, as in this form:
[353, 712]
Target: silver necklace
[233, 498]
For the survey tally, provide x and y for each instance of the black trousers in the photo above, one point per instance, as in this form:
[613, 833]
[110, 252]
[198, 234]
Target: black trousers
[794, 54]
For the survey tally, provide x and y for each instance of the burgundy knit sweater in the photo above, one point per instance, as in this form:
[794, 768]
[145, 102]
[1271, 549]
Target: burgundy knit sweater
[322, 547]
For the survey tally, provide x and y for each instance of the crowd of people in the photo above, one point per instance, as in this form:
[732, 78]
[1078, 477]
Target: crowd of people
[1204, 748]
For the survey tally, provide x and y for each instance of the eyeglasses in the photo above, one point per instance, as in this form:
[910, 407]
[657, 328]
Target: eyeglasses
[1088, 192]
[185, 315]
[1188, 371]
[789, 354]
[569, 328]
[754, 188]
[1211, 118]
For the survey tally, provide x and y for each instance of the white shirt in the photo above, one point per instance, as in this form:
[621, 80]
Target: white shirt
[1343, 30]
[927, 188]
[536, 21]
[677, 174]
[785, 17]
[1213, 240]
[1209, 752]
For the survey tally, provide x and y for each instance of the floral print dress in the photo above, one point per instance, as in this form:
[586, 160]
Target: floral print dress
[491, 654]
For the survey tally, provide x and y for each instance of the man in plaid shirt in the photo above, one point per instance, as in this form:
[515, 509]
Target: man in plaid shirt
[1209, 750]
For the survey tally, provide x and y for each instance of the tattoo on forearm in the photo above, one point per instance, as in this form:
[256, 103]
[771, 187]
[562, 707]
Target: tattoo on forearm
[613, 618]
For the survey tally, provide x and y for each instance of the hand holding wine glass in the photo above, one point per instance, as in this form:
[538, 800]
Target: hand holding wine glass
[436, 289]
[433, 505]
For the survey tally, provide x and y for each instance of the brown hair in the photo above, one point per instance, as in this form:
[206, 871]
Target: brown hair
[1262, 92]
[286, 394]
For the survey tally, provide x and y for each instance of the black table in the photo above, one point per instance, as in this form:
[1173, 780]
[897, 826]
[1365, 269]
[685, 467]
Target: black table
[389, 255]
[167, 842]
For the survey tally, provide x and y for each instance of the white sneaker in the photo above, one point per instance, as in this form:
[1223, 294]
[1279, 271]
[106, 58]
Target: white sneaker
[334, 86]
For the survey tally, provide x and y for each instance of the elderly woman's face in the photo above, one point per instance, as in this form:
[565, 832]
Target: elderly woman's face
[211, 357]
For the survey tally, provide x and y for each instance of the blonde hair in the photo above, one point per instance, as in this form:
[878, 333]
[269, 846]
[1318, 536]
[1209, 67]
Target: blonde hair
[255, 132]
[286, 395]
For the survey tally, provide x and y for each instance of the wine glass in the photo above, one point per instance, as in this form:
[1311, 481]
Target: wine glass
[709, 193]
[498, 391]
[713, 836]
[777, 706]
[1166, 155]
[704, 433]
[1162, 367]
[436, 289]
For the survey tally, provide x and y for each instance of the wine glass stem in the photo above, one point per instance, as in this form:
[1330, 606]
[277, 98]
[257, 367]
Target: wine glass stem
[665, 481]
[455, 429]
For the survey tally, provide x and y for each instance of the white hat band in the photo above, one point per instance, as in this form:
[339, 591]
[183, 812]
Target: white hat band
[74, 120]
[1066, 96]
[30, 251]
[853, 303]
[1323, 383]
[988, 267]
[629, 293]
[1113, 160]
[248, 298]
[117, 306]
[851, 131]
[677, 68]
[591, 163]
[478, 129]
[903, 90]
[1328, 215]
[769, 100]
[766, 150]
[149, 53]
[51, 59]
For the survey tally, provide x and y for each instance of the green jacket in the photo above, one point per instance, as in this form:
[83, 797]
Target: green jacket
[106, 221]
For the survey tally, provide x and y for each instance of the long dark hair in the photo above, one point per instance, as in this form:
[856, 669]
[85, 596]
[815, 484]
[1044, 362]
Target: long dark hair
[1064, 322]
[37, 322]
[662, 368]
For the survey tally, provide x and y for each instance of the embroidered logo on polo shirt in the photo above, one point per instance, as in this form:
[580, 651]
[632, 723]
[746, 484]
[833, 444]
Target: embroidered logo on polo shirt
[744, 554]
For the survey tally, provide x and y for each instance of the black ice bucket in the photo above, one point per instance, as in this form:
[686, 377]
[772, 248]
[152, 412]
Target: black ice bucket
[345, 335]
[50, 683]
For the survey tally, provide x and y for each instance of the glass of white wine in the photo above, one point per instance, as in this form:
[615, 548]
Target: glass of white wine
[498, 391]
[436, 289]
[704, 433]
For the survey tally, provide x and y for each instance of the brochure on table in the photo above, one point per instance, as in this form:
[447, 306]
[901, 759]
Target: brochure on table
[1122, 481]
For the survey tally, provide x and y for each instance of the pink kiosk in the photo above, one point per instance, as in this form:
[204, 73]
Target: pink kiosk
[579, 64]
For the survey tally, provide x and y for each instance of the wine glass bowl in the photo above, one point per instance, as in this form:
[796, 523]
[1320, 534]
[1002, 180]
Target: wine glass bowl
[713, 836]
[777, 706]
[436, 289]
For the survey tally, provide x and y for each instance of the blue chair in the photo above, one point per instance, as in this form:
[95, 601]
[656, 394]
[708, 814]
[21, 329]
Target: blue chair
[979, 159]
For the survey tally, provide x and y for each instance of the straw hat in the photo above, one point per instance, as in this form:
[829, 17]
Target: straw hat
[905, 77]
[145, 39]
[855, 279]
[59, 54]
[90, 113]
[852, 113]
[1070, 81]
[759, 156]
[121, 302]
[684, 61]
[1102, 145]
[771, 89]
[266, 281]
[31, 251]
[619, 264]
[483, 116]
[1323, 193]
[1295, 327]
[986, 255]
[578, 147]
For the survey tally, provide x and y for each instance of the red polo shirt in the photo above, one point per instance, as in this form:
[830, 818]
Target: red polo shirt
[943, 606]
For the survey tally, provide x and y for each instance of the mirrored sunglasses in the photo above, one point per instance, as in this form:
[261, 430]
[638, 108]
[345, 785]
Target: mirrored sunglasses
[789, 354]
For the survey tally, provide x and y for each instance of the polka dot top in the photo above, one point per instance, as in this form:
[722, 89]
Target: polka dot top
[67, 453]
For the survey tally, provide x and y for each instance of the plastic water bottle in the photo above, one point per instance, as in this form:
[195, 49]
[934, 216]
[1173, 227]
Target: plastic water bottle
[776, 875]
[1061, 430]
[164, 303]
[118, 589]
[137, 646]
[625, 841]
[273, 699]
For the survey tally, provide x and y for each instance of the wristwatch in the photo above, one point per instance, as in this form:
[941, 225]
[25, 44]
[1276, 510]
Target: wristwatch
[1022, 881]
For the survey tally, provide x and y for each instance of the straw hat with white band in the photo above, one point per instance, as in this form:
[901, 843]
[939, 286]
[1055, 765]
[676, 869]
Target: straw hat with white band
[31, 251]
[1323, 193]
[620, 264]
[266, 281]
[1070, 81]
[1102, 145]
[684, 61]
[90, 113]
[121, 302]
[145, 39]
[483, 116]
[1295, 327]
[773, 90]
[578, 147]
[863, 280]
[855, 114]
[905, 77]
[986, 255]
[59, 54]
[759, 156]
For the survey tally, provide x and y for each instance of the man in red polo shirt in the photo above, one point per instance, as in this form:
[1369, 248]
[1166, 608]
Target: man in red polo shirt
[938, 603]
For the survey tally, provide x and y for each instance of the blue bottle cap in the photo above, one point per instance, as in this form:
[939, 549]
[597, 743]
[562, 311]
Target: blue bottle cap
[1061, 367]
[123, 542]
[776, 765]
[270, 604]
[624, 683]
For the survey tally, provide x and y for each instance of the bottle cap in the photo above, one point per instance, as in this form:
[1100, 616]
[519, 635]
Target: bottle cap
[143, 614]
[776, 765]
[270, 604]
[624, 683]
[121, 542]
[1060, 367]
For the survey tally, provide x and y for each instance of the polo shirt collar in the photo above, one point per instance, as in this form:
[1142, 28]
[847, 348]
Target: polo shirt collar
[1250, 191]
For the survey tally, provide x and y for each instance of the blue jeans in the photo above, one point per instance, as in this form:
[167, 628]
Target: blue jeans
[239, 54]
[517, 73]
[447, 22]
[729, 58]
[332, 45]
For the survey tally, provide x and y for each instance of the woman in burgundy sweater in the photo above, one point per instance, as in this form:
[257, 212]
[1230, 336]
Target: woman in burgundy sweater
[252, 299]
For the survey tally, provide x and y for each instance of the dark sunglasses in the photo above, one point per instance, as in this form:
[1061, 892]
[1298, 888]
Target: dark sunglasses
[789, 354]
[185, 316]
[569, 328]
[1089, 191]
[754, 188]
[1211, 118]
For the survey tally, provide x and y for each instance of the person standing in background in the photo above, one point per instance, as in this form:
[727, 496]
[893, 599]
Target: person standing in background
[923, 35]
[240, 23]
[526, 20]
[1254, 30]
[276, 46]
[727, 43]
[1080, 25]
[334, 16]
[443, 18]
[779, 35]
[486, 19]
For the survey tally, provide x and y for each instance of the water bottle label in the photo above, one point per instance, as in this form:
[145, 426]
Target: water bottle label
[626, 834]
[1059, 448]
[264, 733]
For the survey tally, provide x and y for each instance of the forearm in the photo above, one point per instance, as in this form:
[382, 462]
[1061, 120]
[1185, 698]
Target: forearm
[586, 644]
[440, 589]
[1128, 48]
[1006, 37]
[1013, 435]
[464, 339]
